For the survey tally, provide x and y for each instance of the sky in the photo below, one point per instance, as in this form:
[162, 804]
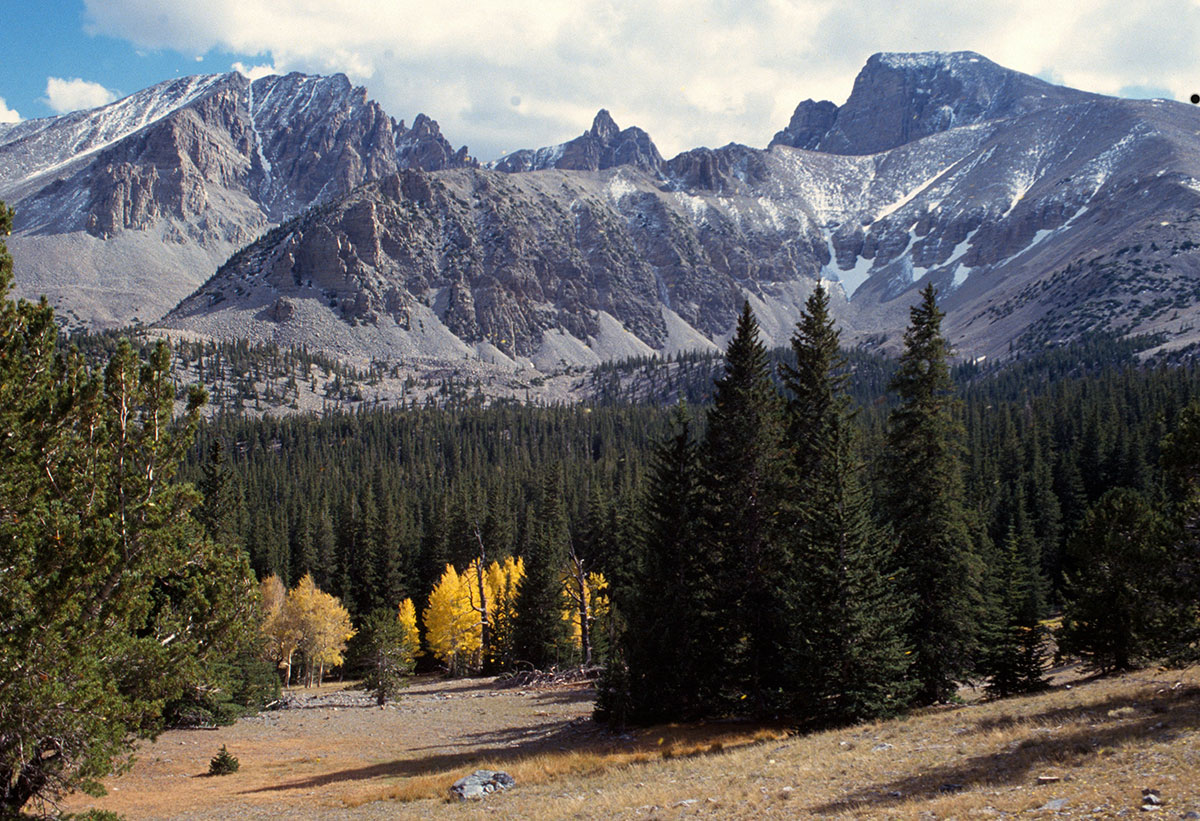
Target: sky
[503, 75]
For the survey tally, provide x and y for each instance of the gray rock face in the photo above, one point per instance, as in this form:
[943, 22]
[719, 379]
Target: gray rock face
[1035, 227]
[480, 784]
[603, 146]
[898, 98]
[1039, 213]
[177, 177]
[810, 122]
[424, 147]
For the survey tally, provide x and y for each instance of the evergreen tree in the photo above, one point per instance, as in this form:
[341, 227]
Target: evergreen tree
[387, 650]
[668, 660]
[539, 631]
[848, 660]
[218, 509]
[1115, 615]
[1014, 640]
[742, 466]
[1181, 460]
[923, 503]
[113, 600]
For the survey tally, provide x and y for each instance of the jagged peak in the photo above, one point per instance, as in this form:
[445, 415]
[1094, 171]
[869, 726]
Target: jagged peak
[604, 128]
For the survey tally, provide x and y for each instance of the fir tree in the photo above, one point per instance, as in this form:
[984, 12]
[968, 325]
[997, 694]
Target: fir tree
[1115, 615]
[667, 661]
[387, 649]
[1014, 640]
[742, 465]
[923, 503]
[539, 631]
[113, 599]
[848, 661]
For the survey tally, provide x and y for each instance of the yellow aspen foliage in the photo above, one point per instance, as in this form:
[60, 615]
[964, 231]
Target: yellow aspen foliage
[325, 626]
[281, 624]
[595, 588]
[408, 626]
[452, 629]
[502, 582]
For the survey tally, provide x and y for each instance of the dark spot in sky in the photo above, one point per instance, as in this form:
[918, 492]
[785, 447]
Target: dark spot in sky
[1195, 98]
[516, 101]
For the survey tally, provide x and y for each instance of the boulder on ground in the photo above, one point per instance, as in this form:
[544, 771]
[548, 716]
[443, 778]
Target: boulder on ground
[480, 783]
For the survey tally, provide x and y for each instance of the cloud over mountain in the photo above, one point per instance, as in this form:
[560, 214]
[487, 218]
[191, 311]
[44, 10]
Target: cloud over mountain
[503, 75]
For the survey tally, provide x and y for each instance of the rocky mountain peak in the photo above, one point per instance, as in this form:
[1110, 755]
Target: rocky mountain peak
[604, 128]
[902, 97]
[810, 122]
[424, 147]
[604, 145]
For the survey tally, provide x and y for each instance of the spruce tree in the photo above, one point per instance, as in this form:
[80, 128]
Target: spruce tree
[923, 504]
[848, 660]
[741, 473]
[1013, 649]
[113, 599]
[539, 630]
[667, 645]
[1116, 615]
[1181, 461]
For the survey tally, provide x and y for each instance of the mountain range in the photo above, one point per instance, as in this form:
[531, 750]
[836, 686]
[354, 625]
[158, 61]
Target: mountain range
[1040, 213]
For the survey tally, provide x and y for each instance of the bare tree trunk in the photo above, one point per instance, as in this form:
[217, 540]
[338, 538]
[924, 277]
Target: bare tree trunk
[485, 628]
[580, 595]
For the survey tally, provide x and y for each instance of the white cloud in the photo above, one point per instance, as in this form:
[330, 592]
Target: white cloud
[74, 94]
[7, 115]
[255, 72]
[691, 72]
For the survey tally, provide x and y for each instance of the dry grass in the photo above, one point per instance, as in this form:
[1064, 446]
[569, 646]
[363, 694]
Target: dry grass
[1102, 741]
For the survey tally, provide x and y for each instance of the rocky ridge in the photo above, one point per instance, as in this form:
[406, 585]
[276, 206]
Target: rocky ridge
[1038, 215]
[1039, 212]
[125, 209]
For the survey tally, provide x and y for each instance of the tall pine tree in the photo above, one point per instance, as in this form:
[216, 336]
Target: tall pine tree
[742, 471]
[923, 503]
[669, 606]
[539, 631]
[848, 659]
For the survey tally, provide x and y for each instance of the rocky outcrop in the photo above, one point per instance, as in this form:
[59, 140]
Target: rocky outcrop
[899, 98]
[175, 178]
[481, 784]
[604, 145]
[1017, 220]
[810, 122]
[424, 147]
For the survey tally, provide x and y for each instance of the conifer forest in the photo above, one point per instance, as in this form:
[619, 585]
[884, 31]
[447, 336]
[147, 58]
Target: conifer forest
[819, 535]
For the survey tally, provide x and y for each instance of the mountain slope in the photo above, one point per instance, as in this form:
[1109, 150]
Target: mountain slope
[125, 209]
[1026, 217]
[1039, 212]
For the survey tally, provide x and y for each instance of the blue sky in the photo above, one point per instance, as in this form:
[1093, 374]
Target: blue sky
[505, 74]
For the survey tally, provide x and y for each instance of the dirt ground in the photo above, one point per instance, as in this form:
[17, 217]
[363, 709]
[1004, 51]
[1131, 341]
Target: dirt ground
[322, 759]
[1085, 748]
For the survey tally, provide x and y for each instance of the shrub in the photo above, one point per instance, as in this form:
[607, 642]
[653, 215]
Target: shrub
[223, 763]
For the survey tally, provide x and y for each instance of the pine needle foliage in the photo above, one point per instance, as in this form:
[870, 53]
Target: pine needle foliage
[668, 656]
[113, 600]
[923, 502]
[223, 763]
[849, 661]
[1116, 615]
[742, 466]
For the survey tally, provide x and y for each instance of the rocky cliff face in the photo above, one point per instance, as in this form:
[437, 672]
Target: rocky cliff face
[1038, 212]
[123, 210]
[898, 98]
[1022, 203]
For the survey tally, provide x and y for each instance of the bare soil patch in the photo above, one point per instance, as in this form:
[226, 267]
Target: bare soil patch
[1086, 749]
